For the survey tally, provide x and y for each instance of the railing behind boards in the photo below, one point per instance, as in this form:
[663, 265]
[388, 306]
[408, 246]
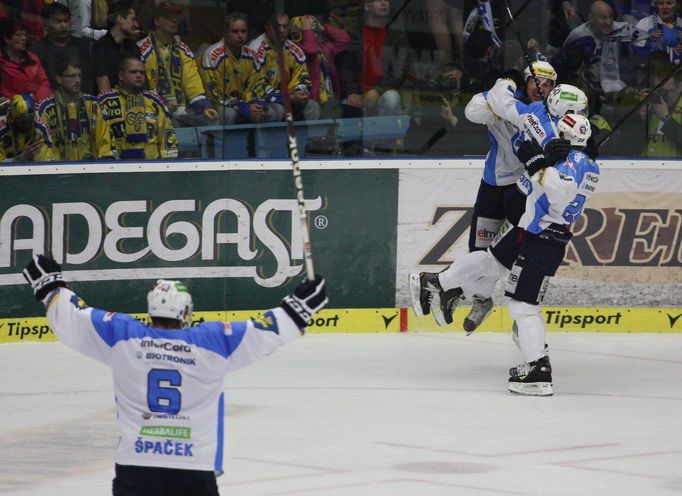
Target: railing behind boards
[324, 137]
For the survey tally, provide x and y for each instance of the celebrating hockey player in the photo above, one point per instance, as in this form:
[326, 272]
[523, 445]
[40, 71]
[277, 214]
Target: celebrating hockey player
[168, 376]
[530, 253]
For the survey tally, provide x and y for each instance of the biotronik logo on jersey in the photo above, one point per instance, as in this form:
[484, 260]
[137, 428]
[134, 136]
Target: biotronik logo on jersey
[184, 236]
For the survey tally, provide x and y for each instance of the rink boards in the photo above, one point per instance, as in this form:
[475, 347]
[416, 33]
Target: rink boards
[230, 231]
[395, 320]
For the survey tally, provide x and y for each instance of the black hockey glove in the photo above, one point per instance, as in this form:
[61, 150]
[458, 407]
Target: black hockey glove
[531, 156]
[557, 150]
[591, 149]
[43, 274]
[309, 298]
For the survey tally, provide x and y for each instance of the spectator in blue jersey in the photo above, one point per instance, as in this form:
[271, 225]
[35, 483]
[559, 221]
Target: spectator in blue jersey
[665, 31]
[528, 253]
[605, 44]
[168, 376]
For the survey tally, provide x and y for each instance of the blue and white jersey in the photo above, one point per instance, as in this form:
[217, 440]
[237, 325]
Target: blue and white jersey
[557, 195]
[509, 122]
[168, 383]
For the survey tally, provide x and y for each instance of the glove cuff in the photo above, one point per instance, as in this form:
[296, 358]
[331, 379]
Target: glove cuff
[296, 310]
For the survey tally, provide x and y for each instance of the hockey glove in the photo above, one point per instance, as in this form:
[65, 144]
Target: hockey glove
[557, 150]
[43, 274]
[531, 156]
[309, 298]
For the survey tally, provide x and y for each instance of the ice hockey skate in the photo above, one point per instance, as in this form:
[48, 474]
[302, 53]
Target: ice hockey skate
[425, 291]
[532, 379]
[480, 310]
[445, 306]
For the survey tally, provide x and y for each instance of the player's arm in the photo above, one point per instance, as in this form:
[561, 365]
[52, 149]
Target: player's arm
[478, 111]
[502, 100]
[252, 340]
[68, 315]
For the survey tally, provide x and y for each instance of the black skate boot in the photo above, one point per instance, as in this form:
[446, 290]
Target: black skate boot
[424, 287]
[480, 310]
[532, 379]
[446, 304]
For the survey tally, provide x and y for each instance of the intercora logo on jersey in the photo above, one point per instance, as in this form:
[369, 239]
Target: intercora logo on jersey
[175, 231]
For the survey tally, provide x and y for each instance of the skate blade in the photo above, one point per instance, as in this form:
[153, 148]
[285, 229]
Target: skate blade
[415, 293]
[531, 389]
[438, 314]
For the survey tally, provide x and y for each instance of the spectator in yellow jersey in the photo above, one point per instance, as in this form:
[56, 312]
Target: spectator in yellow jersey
[77, 126]
[172, 71]
[266, 54]
[227, 69]
[23, 135]
[664, 112]
[141, 126]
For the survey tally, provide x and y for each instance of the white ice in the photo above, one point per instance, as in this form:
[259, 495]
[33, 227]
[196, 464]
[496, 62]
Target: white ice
[379, 415]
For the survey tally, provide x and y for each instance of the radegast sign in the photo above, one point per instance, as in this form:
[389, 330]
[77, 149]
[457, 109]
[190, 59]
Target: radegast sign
[232, 236]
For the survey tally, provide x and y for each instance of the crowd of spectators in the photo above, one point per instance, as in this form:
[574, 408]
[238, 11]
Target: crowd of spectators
[113, 79]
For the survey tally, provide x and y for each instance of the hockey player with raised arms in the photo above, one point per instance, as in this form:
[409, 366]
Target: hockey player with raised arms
[512, 125]
[168, 376]
[530, 253]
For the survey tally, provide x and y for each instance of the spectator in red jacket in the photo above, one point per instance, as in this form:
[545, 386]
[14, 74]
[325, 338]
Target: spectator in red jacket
[321, 43]
[20, 70]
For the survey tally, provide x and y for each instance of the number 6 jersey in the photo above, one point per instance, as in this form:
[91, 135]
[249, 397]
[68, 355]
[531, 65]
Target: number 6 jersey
[168, 383]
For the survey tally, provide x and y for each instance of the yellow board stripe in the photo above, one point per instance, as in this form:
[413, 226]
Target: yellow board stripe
[372, 320]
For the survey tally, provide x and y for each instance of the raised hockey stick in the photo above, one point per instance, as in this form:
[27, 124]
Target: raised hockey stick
[637, 107]
[293, 146]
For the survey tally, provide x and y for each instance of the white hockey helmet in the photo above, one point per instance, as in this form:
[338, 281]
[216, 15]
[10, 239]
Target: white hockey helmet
[565, 99]
[575, 128]
[542, 69]
[170, 300]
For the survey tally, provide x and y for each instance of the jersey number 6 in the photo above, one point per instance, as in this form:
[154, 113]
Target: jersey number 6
[163, 393]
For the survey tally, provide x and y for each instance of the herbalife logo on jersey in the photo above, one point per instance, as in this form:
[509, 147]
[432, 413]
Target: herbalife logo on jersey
[189, 237]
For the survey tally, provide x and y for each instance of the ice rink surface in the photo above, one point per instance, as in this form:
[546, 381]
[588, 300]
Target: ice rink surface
[379, 415]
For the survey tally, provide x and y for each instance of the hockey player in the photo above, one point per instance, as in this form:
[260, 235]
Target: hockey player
[168, 376]
[529, 253]
[140, 124]
[510, 123]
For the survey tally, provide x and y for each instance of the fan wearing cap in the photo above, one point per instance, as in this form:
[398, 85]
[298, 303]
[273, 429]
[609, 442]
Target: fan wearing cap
[172, 71]
[24, 137]
[168, 375]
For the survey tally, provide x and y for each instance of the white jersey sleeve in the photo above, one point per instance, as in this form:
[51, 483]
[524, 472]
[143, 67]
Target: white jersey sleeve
[531, 118]
[168, 383]
[479, 112]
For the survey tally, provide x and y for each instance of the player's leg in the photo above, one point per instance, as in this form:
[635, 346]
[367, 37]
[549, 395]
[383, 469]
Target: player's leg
[534, 376]
[538, 260]
[487, 216]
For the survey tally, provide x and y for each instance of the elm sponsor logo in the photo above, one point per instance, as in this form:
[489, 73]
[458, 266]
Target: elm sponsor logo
[167, 431]
[32, 332]
[583, 320]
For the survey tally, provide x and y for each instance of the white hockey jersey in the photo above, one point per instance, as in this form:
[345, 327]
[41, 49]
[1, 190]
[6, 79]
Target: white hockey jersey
[509, 122]
[557, 195]
[168, 383]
